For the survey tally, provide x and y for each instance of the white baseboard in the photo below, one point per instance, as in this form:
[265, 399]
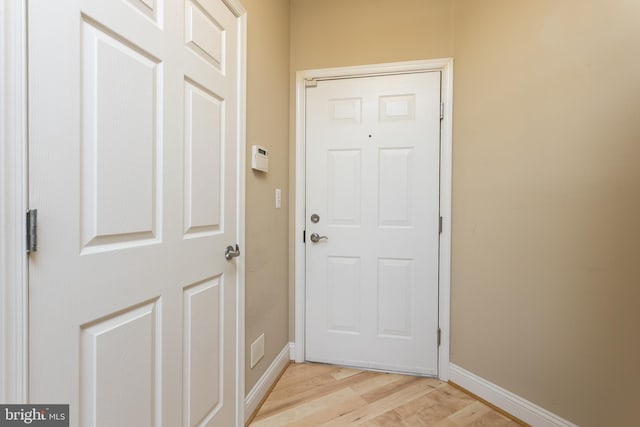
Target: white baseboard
[292, 351]
[504, 399]
[265, 382]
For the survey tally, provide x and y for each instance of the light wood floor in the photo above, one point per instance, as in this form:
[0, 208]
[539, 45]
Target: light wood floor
[323, 395]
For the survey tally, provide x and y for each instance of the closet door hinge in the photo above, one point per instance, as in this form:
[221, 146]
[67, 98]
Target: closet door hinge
[439, 336]
[32, 230]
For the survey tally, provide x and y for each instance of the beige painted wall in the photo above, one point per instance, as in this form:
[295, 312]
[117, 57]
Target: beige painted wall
[546, 203]
[334, 33]
[546, 266]
[266, 227]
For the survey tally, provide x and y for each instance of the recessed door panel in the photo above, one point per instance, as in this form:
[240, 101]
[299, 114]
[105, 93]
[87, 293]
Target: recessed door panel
[120, 364]
[397, 107]
[203, 369]
[120, 172]
[343, 294]
[346, 110]
[395, 297]
[344, 187]
[396, 187]
[204, 126]
[204, 35]
[146, 7]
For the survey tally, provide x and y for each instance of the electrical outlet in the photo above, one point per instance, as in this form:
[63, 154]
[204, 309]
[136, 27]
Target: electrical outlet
[257, 350]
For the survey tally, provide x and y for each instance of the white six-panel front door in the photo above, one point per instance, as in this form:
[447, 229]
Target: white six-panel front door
[133, 146]
[372, 154]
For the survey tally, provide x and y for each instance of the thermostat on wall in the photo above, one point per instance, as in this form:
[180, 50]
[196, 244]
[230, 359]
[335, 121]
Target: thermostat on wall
[259, 158]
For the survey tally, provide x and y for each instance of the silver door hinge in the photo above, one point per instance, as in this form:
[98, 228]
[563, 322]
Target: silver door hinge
[440, 225]
[439, 336]
[32, 230]
[310, 83]
[441, 110]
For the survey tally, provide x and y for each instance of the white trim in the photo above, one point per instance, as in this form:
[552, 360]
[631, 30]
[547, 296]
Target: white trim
[446, 188]
[444, 65]
[299, 218]
[241, 14]
[507, 401]
[292, 351]
[262, 387]
[13, 203]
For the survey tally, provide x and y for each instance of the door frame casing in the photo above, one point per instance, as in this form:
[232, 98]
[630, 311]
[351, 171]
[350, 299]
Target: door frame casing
[240, 13]
[14, 185]
[445, 66]
[13, 202]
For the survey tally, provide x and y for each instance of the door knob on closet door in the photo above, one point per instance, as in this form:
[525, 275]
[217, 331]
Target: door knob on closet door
[230, 252]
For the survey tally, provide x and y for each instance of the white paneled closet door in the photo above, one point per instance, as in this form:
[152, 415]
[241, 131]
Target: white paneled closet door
[133, 143]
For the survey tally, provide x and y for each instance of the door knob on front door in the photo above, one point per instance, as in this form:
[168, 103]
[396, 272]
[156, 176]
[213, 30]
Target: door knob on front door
[230, 252]
[315, 237]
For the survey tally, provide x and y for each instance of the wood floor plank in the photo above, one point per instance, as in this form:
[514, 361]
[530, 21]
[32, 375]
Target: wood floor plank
[388, 419]
[342, 373]
[368, 412]
[431, 408]
[326, 414]
[302, 372]
[465, 416]
[398, 385]
[490, 419]
[295, 413]
[299, 393]
[311, 395]
[378, 380]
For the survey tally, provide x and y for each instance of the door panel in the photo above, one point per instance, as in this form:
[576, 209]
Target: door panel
[133, 122]
[203, 366]
[110, 68]
[395, 289]
[113, 352]
[203, 161]
[343, 294]
[395, 187]
[344, 187]
[373, 178]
